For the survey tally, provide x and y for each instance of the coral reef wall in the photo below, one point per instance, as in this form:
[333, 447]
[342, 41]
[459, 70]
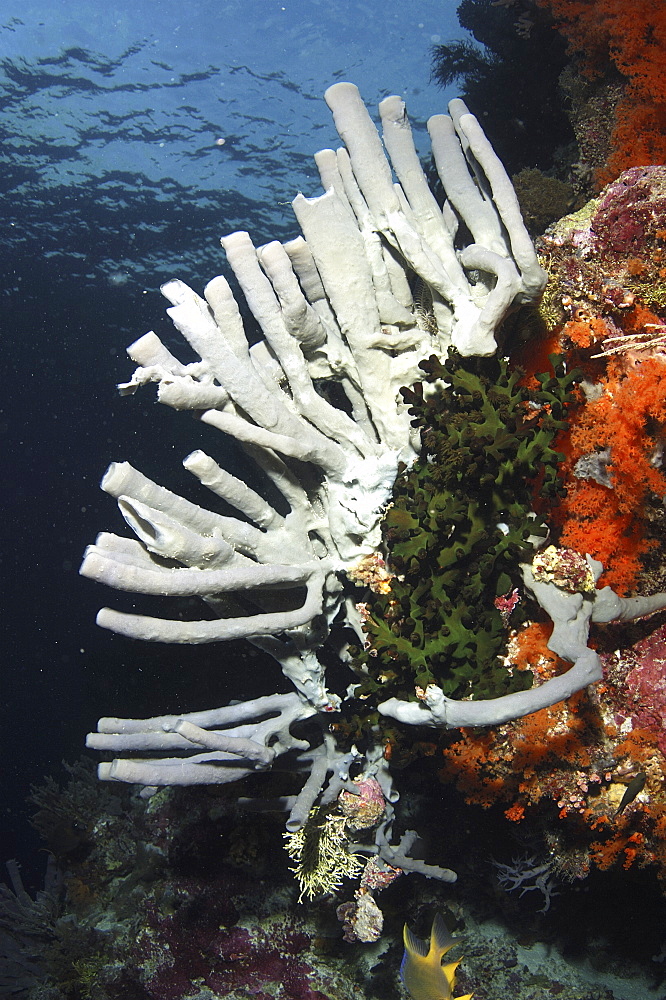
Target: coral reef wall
[623, 45]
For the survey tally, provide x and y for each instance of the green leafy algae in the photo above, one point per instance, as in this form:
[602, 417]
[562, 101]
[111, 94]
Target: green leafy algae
[461, 521]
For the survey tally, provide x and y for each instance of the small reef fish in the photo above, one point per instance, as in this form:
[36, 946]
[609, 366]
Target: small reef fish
[635, 786]
[422, 971]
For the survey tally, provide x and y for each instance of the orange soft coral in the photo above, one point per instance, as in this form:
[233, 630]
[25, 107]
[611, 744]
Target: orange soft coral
[573, 762]
[503, 764]
[584, 332]
[622, 848]
[628, 420]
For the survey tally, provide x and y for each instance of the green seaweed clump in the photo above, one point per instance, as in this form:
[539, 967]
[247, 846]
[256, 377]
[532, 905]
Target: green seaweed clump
[461, 521]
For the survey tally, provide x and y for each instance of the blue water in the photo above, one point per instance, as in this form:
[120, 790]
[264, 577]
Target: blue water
[113, 180]
[186, 120]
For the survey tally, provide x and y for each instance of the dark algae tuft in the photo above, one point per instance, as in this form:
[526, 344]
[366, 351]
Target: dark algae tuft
[461, 518]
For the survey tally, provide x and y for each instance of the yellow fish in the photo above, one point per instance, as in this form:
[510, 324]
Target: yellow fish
[422, 971]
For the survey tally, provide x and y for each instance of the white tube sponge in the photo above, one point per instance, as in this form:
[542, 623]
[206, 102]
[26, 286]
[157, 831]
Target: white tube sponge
[238, 740]
[400, 147]
[371, 168]
[503, 198]
[345, 313]
[479, 191]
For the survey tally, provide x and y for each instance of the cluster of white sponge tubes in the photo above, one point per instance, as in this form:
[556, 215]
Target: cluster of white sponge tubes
[381, 278]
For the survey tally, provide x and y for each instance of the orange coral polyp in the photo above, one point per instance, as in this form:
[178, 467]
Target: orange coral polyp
[584, 333]
[515, 813]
